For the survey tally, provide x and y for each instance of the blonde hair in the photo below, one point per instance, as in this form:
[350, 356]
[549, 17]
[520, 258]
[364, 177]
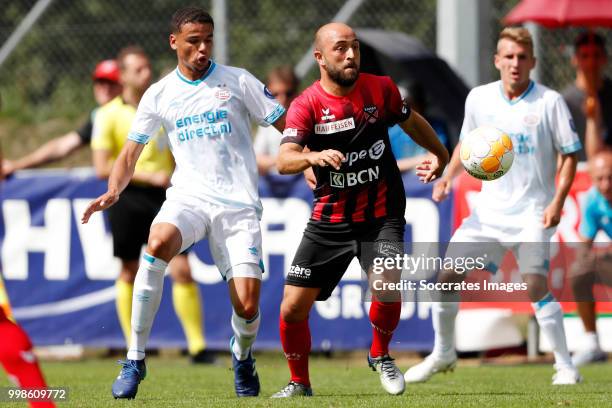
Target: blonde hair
[519, 35]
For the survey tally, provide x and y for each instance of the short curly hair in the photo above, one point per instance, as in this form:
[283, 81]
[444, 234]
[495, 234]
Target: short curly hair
[189, 15]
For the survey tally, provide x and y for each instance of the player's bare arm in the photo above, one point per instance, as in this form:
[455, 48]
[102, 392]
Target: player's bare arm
[54, 149]
[565, 175]
[293, 159]
[443, 187]
[423, 134]
[279, 124]
[120, 176]
[593, 138]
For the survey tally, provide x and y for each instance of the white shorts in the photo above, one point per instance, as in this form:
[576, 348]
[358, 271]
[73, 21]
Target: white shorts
[234, 234]
[529, 241]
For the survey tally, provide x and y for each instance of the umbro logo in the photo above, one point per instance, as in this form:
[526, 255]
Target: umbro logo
[326, 115]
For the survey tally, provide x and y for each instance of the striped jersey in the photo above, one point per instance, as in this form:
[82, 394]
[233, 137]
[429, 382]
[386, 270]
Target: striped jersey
[368, 185]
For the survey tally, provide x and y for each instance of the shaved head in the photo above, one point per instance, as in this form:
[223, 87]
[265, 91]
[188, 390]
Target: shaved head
[329, 33]
[336, 50]
[601, 159]
[600, 167]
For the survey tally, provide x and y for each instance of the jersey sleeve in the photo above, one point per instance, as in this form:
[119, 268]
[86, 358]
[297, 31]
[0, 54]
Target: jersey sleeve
[147, 121]
[469, 120]
[260, 103]
[398, 110]
[299, 124]
[102, 130]
[588, 224]
[564, 131]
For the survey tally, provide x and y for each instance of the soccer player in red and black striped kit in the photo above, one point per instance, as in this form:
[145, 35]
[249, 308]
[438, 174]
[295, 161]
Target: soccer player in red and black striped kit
[359, 204]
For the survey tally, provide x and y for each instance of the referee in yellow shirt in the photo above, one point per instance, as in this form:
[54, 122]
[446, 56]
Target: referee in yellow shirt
[131, 217]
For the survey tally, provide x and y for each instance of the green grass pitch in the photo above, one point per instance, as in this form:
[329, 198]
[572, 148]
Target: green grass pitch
[337, 382]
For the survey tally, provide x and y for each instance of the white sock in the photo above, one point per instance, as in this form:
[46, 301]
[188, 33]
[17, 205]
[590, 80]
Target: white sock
[549, 315]
[147, 296]
[443, 314]
[245, 332]
[591, 342]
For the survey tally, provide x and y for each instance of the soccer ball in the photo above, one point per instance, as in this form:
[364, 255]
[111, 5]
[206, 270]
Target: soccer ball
[487, 153]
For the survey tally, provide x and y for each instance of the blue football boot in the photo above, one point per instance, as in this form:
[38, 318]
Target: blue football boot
[132, 373]
[246, 380]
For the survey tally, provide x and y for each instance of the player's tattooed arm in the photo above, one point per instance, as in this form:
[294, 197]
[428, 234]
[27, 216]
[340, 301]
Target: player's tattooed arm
[423, 134]
[120, 176]
[565, 173]
[293, 159]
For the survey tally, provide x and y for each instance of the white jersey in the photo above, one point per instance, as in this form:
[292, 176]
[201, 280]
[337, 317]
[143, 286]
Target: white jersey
[540, 126]
[208, 124]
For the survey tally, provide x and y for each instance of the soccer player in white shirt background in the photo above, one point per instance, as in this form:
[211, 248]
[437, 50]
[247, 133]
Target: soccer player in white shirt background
[520, 207]
[205, 109]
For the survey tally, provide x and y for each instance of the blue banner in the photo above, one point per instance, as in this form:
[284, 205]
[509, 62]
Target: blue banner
[60, 274]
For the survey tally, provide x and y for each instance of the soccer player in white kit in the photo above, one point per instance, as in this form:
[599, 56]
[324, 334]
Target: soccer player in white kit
[520, 207]
[206, 111]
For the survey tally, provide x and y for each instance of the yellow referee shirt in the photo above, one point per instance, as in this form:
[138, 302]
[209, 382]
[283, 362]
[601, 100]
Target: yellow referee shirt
[111, 127]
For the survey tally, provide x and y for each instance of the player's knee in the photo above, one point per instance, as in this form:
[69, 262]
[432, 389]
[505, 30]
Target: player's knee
[450, 276]
[292, 312]
[582, 286]
[155, 246]
[247, 310]
[537, 287]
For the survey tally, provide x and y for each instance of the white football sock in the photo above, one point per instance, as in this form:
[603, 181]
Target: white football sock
[591, 342]
[245, 332]
[443, 314]
[549, 315]
[147, 296]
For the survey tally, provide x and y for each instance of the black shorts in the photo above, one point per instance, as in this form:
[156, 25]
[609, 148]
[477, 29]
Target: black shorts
[326, 251]
[131, 217]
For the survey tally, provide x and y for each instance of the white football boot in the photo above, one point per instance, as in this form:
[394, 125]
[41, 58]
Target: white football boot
[582, 357]
[566, 376]
[390, 376]
[430, 366]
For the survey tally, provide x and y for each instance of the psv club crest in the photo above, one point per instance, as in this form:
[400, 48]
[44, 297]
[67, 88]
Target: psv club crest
[371, 113]
[223, 94]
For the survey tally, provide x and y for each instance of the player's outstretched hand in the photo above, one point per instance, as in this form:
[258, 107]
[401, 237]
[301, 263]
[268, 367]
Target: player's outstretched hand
[101, 203]
[552, 215]
[429, 170]
[441, 190]
[328, 157]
